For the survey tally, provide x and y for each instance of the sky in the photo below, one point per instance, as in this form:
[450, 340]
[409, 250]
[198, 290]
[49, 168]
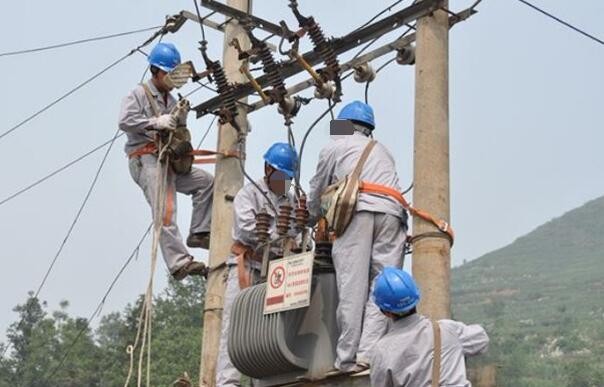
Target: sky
[525, 123]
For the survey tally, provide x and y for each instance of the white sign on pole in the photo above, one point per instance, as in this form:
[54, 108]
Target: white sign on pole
[288, 283]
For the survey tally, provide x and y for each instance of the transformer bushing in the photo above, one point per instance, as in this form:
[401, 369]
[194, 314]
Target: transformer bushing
[301, 214]
[263, 224]
[284, 219]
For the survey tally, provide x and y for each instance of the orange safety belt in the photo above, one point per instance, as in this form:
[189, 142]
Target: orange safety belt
[151, 148]
[147, 149]
[379, 189]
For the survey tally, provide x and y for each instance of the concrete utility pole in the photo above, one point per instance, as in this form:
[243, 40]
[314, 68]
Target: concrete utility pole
[432, 255]
[227, 181]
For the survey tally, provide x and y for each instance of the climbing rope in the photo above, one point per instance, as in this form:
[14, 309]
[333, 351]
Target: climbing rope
[144, 329]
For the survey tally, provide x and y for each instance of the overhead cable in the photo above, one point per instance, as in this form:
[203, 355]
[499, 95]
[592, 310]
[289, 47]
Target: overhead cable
[567, 24]
[100, 305]
[77, 216]
[79, 86]
[64, 167]
[75, 42]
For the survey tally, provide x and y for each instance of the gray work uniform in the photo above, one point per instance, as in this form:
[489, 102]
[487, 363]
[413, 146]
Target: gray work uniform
[374, 239]
[136, 118]
[404, 356]
[248, 202]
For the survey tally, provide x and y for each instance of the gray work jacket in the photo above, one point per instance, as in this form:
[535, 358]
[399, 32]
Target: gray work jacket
[403, 357]
[248, 202]
[136, 115]
[338, 159]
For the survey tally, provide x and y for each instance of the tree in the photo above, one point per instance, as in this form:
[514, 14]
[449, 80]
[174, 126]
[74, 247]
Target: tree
[60, 350]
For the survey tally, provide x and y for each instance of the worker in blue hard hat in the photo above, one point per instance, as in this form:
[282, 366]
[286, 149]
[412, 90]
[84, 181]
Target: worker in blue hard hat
[244, 264]
[404, 357]
[373, 235]
[145, 111]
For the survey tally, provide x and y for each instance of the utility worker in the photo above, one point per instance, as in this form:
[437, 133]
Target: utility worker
[405, 355]
[244, 263]
[145, 111]
[373, 239]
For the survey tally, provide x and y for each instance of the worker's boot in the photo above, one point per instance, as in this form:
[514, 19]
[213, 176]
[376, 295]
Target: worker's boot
[199, 239]
[191, 268]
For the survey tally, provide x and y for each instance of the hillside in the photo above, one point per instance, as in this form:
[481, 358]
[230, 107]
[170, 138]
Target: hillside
[542, 301]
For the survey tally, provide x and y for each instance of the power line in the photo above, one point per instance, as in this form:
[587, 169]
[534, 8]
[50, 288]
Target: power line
[77, 217]
[387, 9]
[203, 138]
[100, 305]
[376, 72]
[70, 230]
[412, 27]
[310, 128]
[82, 157]
[64, 167]
[75, 42]
[562, 22]
[56, 101]
[78, 87]
[203, 31]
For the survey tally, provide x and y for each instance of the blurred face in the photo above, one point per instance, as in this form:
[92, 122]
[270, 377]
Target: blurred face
[278, 182]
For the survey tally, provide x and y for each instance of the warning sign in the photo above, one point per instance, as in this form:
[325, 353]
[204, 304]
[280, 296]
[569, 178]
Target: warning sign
[288, 283]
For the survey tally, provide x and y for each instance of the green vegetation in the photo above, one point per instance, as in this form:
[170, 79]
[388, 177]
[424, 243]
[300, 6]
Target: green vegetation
[541, 299]
[98, 358]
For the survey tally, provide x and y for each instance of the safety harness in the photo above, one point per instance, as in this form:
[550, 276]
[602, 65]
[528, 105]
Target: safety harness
[378, 189]
[151, 149]
[181, 154]
[338, 201]
[437, 353]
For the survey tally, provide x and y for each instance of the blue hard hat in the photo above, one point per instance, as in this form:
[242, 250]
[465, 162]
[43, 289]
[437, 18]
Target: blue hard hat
[282, 157]
[395, 291]
[164, 56]
[359, 112]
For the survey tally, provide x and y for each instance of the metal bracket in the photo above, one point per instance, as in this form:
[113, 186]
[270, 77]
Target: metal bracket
[339, 45]
[395, 45]
[240, 15]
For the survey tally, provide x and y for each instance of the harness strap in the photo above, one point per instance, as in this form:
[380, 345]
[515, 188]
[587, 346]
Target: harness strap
[151, 100]
[354, 177]
[437, 354]
[379, 189]
[147, 149]
[243, 253]
[151, 148]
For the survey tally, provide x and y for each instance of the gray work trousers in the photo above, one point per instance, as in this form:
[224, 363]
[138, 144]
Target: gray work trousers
[371, 242]
[198, 184]
[226, 373]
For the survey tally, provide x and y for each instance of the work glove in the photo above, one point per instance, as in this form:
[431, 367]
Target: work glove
[165, 122]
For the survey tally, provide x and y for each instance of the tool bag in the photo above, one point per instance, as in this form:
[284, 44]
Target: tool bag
[178, 141]
[180, 149]
[339, 200]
